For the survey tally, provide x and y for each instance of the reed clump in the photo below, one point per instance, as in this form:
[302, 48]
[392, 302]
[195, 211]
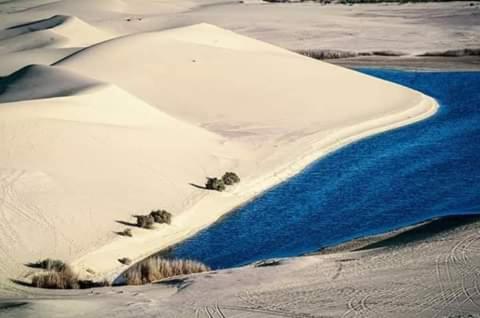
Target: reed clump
[59, 275]
[156, 268]
[49, 264]
[63, 278]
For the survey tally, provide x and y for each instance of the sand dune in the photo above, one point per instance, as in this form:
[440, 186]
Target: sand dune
[263, 82]
[122, 125]
[39, 82]
[45, 41]
[57, 31]
[80, 142]
[116, 129]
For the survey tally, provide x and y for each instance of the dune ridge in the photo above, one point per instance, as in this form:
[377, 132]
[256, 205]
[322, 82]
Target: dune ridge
[131, 124]
[58, 31]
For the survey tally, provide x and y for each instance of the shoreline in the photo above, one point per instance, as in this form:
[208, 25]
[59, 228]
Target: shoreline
[407, 234]
[185, 225]
[412, 63]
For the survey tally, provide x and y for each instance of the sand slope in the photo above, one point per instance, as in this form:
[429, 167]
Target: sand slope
[234, 82]
[56, 31]
[46, 40]
[82, 155]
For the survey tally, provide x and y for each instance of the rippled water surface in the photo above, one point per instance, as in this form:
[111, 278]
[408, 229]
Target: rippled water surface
[398, 178]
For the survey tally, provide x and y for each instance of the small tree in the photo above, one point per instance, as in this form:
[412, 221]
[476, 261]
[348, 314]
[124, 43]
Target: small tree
[145, 221]
[215, 184]
[230, 178]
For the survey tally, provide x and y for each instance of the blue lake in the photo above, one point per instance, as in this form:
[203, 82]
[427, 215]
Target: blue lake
[381, 183]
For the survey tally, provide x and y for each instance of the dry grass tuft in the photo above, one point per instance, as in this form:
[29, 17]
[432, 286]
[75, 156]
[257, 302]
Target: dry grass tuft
[49, 264]
[59, 275]
[64, 278]
[156, 268]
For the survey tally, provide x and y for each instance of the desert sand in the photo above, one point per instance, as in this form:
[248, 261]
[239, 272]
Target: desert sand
[115, 108]
[430, 271]
[133, 123]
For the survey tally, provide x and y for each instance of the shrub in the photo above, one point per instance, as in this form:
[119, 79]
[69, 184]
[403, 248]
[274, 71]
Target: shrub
[156, 268]
[215, 184]
[230, 178]
[61, 279]
[126, 232]
[61, 276]
[145, 221]
[161, 216]
[50, 264]
[125, 261]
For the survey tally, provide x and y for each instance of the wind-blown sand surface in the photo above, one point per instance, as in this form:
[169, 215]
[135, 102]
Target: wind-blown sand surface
[99, 122]
[430, 271]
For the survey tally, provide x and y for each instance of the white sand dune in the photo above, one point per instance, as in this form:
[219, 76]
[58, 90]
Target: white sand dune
[263, 82]
[57, 31]
[40, 82]
[128, 125]
[46, 40]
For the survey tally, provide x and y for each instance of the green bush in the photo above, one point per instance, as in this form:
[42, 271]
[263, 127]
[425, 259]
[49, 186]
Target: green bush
[145, 221]
[161, 216]
[230, 178]
[215, 184]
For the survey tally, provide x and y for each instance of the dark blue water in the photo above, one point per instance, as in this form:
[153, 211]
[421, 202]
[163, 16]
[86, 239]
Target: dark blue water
[395, 179]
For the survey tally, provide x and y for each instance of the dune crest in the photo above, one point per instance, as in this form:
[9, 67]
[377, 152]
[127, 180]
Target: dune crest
[40, 81]
[58, 31]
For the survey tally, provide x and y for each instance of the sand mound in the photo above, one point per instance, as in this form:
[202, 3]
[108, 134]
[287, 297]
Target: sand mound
[57, 31]
[203, 73]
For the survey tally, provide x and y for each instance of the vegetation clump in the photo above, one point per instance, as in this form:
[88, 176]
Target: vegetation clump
[161, 216]
[145, 221]
[230, 178]
[157, 268]
[125, 261]
[59, 275]
[215, 184]
[220, 184]
[49, 264]
[64, 278]
[126, 232]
